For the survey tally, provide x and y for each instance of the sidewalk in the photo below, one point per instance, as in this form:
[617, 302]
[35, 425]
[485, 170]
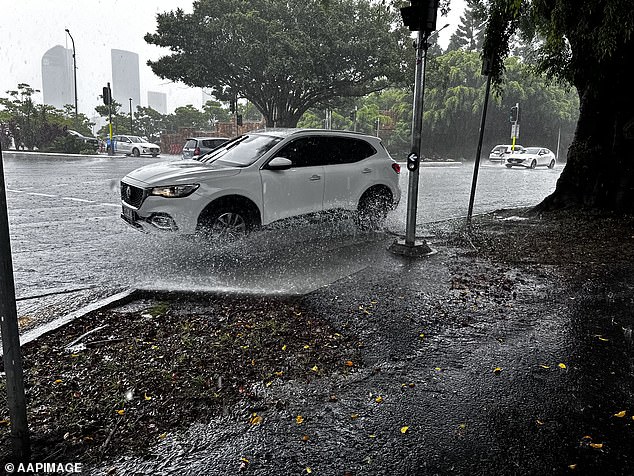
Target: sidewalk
[510, 354]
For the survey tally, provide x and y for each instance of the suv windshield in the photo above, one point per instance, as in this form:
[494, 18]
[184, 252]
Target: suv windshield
[243, 151]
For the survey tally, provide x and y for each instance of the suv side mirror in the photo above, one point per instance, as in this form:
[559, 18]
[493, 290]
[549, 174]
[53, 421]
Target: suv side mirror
[279, 163]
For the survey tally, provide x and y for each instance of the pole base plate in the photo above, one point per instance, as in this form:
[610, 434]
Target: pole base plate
[418, 249]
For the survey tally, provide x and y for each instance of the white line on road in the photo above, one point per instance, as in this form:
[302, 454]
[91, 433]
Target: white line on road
[72, 199]
[77, 199]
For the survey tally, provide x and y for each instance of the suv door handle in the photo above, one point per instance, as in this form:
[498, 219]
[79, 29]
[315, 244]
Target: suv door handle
[315, 177]
[366, 171]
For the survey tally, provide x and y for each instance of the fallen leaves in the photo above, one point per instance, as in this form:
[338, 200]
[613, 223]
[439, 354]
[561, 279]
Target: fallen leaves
[255, 419]
[561, 365]
[497, 370]
[620, 414]
[404, 429]
[299, 419]
[379, 399]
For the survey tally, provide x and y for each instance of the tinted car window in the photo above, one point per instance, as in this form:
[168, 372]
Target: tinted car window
[190, 144]
[307, 151]
[345, 150]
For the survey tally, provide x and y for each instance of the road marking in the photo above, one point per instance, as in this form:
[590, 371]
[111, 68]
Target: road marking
[77, 199]
[72, 199]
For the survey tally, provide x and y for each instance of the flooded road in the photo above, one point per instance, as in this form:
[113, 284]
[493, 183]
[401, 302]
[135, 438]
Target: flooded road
[67, 237]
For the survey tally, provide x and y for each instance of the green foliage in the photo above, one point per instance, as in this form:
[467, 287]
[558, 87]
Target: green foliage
[283, 56]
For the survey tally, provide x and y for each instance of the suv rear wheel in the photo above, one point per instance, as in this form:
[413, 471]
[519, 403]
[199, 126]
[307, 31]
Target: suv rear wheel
[373, 208]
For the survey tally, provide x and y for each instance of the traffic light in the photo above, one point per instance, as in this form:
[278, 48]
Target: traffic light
[515, 114]
[353, 116]
[421, 15]
[106, 95]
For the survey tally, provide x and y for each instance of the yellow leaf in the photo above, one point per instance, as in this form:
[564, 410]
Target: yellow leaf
[562, 366]
[572, 466]
[597, 446]
[404, 429]
[308, 470]
[372, 436]
[354, 416]
[255, 419]
[244, 460]
[421, 335]
[497, 370]
[379, 399]
[305, 438]
[146, 397]
[349, 363]
[299, 419]
[539, 422]
[58, 381]
[74, 355]
[279, 374]
[120, 412]
[284, 347]
[587, 437]
[253, 362]
[306, 346]
[620, 414]
[162, 436]
[603, 339]
[315, 369]
[4, 422]
[268, 384]
[545, 366]
[438, 369]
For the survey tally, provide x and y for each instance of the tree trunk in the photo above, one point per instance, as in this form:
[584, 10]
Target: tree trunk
[599, 173]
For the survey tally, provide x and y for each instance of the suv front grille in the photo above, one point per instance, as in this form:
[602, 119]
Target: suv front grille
[132, 195]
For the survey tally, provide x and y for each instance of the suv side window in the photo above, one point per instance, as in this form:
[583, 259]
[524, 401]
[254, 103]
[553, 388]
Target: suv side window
[345, 150]
[306, 151]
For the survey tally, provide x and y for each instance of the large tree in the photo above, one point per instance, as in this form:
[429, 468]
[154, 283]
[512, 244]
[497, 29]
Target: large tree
[590, 44]
[284, 56]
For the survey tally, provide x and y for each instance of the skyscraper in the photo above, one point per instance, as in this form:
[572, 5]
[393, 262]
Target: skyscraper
[57, 77]
[125, 79]
[157, 101]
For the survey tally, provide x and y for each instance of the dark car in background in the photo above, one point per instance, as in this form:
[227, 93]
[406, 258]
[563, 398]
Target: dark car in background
[90, 142]
[196, 146]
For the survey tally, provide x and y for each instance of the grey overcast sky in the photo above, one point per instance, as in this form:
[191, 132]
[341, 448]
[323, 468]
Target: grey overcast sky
[29, 28]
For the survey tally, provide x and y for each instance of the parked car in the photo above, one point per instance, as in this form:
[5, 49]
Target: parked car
[90, 142]
[261, 177]
[197, 146]
[501, 152]
[134, 145]
[531, 157]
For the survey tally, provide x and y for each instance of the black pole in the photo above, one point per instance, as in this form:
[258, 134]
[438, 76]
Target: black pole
[74, 78]
[111, 151]
[131, 130]
[11, 352]
[476, 166]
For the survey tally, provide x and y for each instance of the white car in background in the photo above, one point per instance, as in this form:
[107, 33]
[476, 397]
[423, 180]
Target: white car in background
[531, 157]
[500, 152]
[261, 177]
[134, 145]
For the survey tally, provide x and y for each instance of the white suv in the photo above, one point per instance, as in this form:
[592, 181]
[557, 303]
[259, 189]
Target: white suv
[262, 177]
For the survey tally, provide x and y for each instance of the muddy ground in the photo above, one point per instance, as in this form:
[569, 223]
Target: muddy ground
[507, 352]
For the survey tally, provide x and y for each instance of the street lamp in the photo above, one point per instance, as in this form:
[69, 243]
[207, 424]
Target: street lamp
[131, 131]
[74, 76]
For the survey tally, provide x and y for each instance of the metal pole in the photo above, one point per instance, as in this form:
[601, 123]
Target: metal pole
[11, 353]
[131, 130]
[476, 166]
[74, 78]
[111, 152]
[417, 127]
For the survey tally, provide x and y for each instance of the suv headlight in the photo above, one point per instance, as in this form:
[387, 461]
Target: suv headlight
[174, 191]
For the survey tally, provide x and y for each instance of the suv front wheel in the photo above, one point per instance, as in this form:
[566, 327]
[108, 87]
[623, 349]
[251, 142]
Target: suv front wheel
[226, 224]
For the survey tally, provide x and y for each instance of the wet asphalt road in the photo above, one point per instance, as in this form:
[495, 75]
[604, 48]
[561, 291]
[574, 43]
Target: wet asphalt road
[67, 236]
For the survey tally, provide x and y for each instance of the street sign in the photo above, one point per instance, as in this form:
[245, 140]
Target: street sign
[515, 130]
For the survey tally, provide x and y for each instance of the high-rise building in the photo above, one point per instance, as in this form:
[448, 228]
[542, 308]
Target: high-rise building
[125, 79]
[157, 101]
[58, 88]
